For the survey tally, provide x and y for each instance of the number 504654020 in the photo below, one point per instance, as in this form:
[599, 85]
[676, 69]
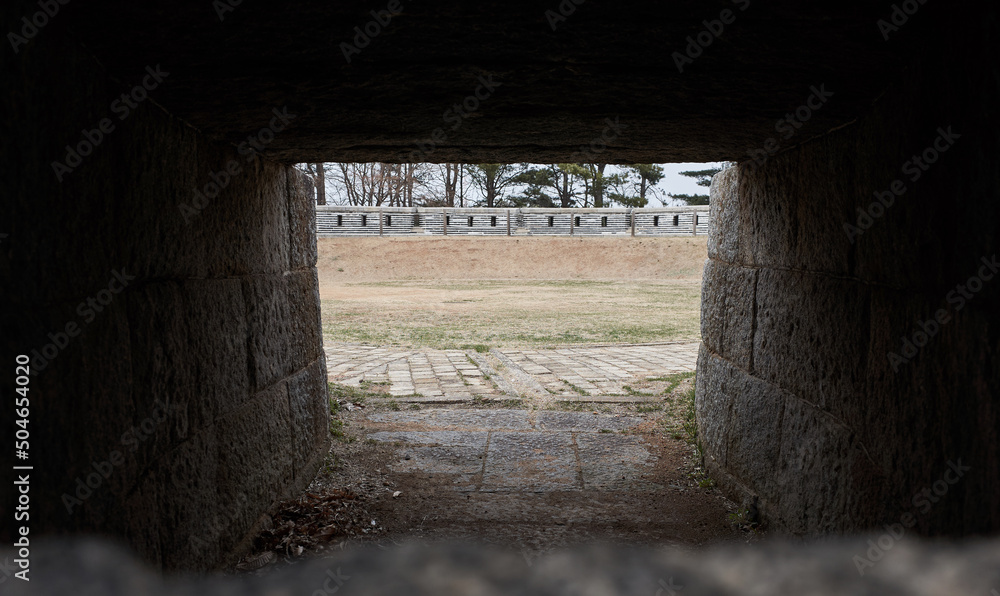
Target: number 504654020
[22, 380]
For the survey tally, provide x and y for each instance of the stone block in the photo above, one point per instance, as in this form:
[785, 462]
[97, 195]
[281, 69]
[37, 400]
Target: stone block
[271, 328]
[739, 421]
[309, 410]
[816, 457]
[458, 454]
[306, 341]
[727, 311]
[255, 461]
[724, 210]
[767, 214]
[157, 228]
[915, 415]
[459, 419]
[217, 337]
[302, 220]
[256, 198]
[163, 362]
[612, 462]
[583, 423]
[810, 191]
[139, 516]
[713, 399]
[754, 431]
[189, 503]
[812, 334]
[793, 207]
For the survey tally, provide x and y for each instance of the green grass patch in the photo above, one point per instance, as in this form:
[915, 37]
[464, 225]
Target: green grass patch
[650, 407]
[358, 394]
[337, 430]
[688, 422]
[579, 390]
[635, 393]
[674, 380]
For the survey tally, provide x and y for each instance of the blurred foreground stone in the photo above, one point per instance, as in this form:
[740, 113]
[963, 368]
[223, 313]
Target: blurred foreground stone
[90, 567]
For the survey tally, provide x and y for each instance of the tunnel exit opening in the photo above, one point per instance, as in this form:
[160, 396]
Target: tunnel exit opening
[545, 336]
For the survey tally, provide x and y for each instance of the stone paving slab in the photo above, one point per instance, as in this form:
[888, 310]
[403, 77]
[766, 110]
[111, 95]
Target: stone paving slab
[424, 376]
[608, 399]
[602, 371]
[610, 462]
[458, 419]
[458, 454]
[597, 373]
[518, 450]
[573, 421]
[531, 461]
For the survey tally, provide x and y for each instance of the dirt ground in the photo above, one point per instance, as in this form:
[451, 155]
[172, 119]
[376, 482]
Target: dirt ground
[364, 495]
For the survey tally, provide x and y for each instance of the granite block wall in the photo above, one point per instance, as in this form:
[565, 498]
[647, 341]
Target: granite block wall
[850, 319]
[178, 388]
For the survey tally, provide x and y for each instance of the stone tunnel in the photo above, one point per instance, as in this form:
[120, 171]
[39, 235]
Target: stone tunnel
[159, 261]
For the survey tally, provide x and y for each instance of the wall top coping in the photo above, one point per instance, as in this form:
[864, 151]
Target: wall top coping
[504, 210]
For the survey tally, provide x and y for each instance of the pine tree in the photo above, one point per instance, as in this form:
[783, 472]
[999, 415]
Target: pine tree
[702, 178]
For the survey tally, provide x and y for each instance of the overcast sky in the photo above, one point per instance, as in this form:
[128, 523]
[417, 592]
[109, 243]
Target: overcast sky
[674, 183]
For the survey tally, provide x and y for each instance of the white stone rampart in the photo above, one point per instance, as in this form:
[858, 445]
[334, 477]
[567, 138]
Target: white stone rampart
[336, 220]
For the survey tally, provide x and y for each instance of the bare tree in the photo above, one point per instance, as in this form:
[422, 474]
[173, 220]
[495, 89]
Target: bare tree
[317, 173]
[450, 172]
[320, 184]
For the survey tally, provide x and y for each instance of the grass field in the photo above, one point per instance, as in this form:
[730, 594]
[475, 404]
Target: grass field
[509, 313]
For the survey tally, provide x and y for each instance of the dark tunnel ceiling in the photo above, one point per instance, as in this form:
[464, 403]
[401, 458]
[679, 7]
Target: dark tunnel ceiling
[557, 88]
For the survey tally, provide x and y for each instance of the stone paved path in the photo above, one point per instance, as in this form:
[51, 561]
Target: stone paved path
[425, 376]
[452, 376]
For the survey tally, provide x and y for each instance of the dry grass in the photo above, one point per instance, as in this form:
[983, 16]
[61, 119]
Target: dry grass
[459, 292]
[507, 313]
